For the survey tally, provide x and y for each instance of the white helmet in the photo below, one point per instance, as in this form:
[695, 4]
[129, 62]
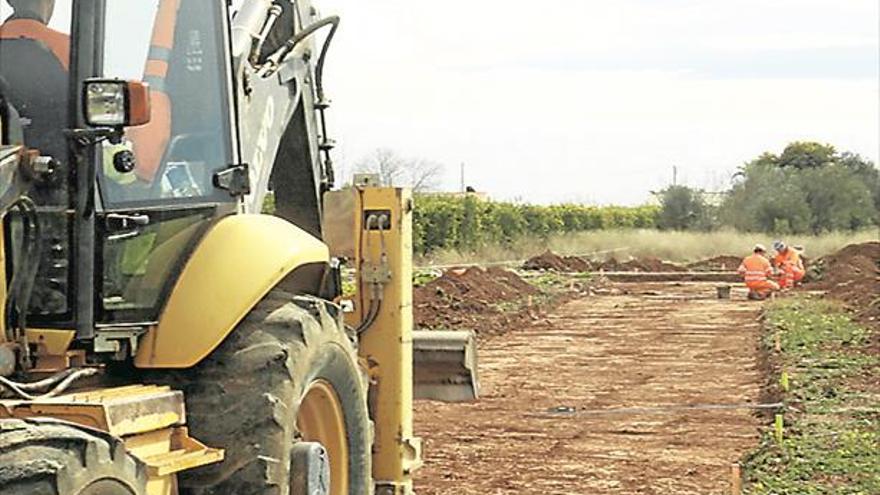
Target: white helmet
[778, 245]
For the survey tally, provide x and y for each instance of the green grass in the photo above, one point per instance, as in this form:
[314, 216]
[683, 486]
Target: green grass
[670, 246]
[832, 437]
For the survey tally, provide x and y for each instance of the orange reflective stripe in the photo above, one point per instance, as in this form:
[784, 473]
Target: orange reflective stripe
[151, 140]
[157, 68]
[166, 19]
[57, 43]
[755, 268]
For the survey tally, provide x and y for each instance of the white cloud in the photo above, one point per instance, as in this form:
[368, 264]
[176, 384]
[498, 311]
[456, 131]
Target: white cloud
[584, 99]
[573, 99]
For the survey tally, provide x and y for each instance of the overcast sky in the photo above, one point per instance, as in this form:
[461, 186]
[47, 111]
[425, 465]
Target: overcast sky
[595, 101]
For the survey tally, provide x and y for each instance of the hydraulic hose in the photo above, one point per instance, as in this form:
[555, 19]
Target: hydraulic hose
[27, 263]
[66, 378]
[280, 54]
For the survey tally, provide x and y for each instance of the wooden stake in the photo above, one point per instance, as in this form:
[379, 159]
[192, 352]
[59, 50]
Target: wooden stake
[529, 302]
[735, 479]
[777, 344]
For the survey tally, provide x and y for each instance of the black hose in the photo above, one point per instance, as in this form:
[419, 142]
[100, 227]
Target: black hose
[290, 44]
[319, 67]
[26, 265]
[372, 315]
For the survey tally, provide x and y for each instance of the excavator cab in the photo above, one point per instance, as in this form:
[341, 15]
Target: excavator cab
[173, 336]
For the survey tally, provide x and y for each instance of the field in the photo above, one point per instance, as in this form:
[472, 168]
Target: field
[653, 387]
[672, 246]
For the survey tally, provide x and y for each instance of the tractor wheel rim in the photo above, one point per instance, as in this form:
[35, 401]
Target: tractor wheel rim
[321, 419]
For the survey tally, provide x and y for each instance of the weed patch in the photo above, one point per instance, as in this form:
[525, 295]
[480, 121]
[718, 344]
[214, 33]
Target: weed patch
[831, 442]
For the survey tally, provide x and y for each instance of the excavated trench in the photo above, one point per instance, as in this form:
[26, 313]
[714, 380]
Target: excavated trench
[645, 392]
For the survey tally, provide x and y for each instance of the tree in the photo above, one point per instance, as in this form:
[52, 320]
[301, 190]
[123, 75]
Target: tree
[395, 170]
[808, 188]
[804, 155]
[683, 208]
[866, 171]
[838, 199]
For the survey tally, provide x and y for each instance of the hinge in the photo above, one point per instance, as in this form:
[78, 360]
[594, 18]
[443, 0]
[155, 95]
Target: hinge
[236, 180]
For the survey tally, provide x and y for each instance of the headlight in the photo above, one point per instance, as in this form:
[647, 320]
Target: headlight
[105, 103]
[115, 103]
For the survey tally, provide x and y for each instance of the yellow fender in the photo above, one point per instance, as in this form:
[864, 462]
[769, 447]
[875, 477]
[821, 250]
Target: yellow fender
[234, 266]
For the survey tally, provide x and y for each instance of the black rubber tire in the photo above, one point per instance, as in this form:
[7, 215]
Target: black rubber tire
[50, 457]
[244, 397]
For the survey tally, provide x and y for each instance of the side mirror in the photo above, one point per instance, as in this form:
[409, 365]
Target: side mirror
[116, 103]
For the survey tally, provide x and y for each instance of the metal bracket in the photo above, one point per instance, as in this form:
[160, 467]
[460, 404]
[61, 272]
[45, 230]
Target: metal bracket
[375, 273]
[236, 180]
[110, 340]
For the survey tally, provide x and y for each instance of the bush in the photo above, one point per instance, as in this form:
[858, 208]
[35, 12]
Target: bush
[467, 223]
[683, 208]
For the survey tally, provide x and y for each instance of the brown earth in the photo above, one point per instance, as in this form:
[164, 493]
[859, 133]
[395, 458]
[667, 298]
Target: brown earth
[488, 301]
[852, 275]
[553, 262]
[718, 263]
[557, 409]
[647, 264]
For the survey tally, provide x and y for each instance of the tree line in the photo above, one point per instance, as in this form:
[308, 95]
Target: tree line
[465, 222]
[808, 188]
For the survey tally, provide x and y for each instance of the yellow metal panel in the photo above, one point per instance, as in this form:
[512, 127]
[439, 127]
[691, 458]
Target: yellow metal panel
[120, 411]
[235, 265]
[387, 344]
[148, 418]
[50, 342]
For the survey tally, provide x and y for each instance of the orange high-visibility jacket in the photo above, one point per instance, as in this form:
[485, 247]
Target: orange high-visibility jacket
[151, 140]
[789, 258]
[30, 29]
[755, 268]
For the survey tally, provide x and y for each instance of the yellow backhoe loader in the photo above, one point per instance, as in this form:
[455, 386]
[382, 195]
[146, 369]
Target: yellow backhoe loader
[159, 335]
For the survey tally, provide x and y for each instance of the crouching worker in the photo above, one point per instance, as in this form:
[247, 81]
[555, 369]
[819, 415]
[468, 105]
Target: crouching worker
[790, 265]
[757, 271]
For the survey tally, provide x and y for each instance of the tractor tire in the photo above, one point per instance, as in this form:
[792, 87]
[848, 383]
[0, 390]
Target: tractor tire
[50, 457]
[247, 397]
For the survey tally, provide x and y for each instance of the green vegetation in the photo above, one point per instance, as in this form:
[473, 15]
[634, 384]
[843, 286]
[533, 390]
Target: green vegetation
[810, 187]
[832, 438]
[466, 223]
[683, 208]
[676, 246]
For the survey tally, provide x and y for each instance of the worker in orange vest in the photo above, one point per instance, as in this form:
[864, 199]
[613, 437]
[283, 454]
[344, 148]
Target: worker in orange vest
[34, 62]
[757, 272]
[789, 263]
[30, 20]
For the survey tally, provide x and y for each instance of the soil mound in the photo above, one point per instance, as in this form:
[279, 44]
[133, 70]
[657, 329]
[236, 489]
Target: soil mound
[648, 264]
[553, 262]
[723, 263]
[473, 299]
[852, 275]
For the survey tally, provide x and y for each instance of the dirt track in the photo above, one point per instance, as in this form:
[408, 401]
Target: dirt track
[662, 345]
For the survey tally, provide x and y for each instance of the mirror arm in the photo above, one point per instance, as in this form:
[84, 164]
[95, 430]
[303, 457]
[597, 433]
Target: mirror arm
[92, 136]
